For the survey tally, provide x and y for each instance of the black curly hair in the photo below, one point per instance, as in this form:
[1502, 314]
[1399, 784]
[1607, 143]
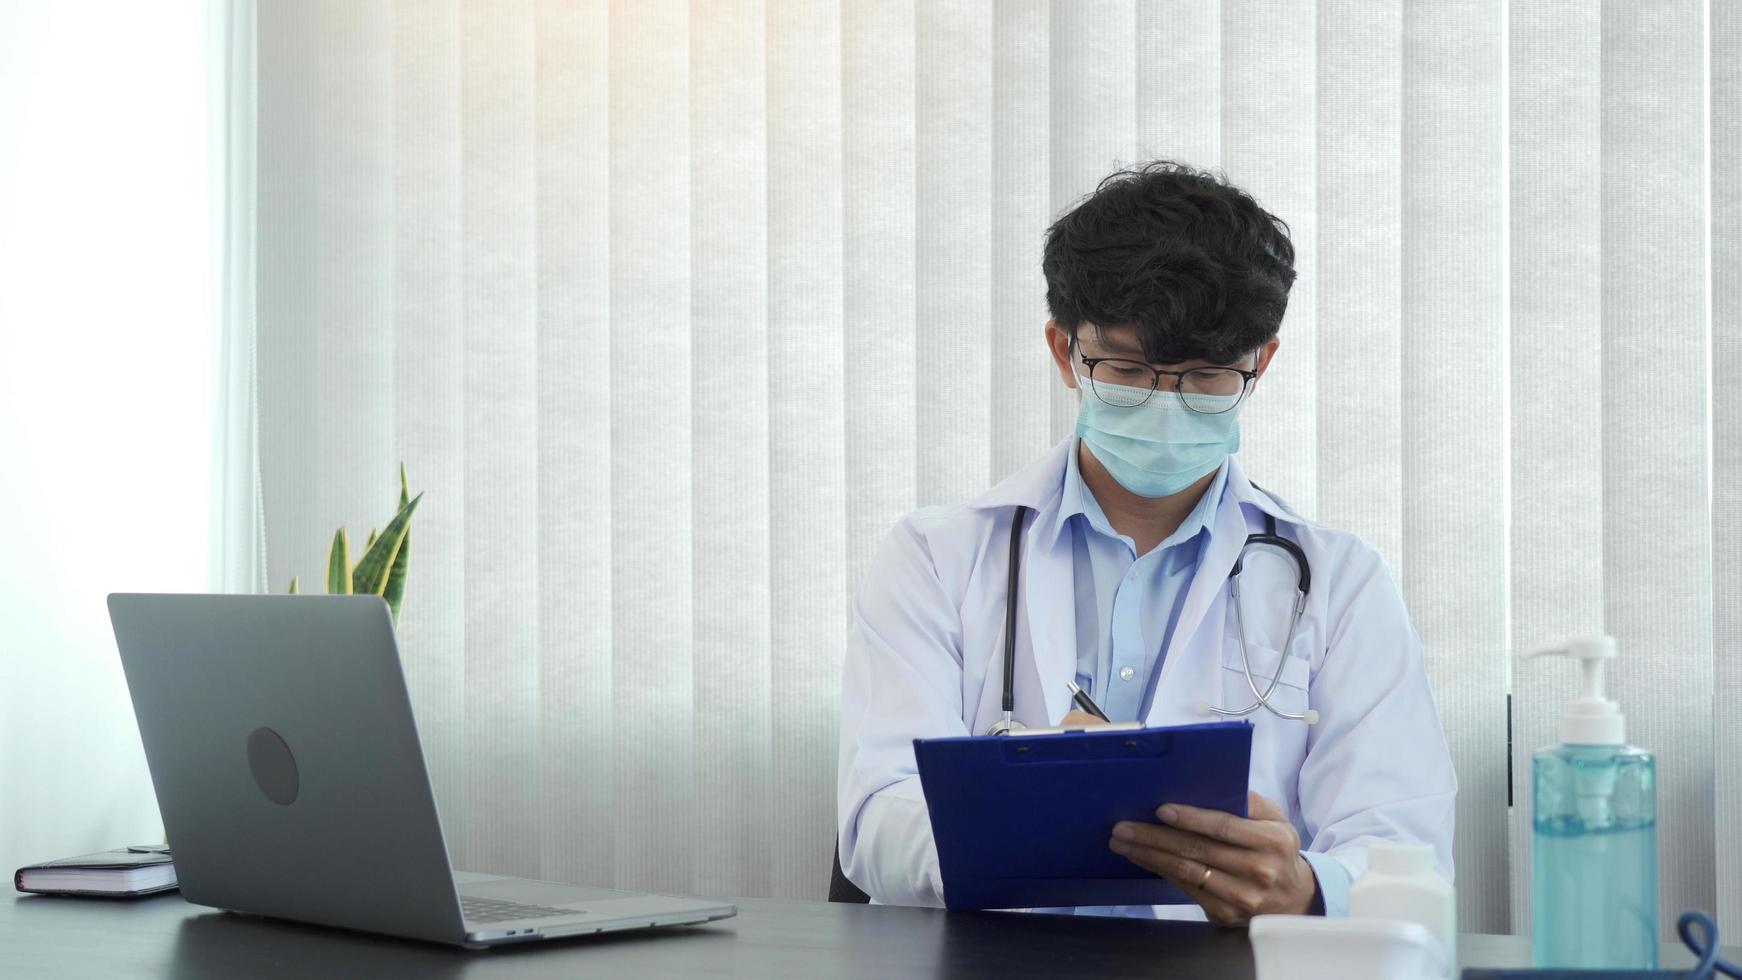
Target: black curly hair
[1187, 258]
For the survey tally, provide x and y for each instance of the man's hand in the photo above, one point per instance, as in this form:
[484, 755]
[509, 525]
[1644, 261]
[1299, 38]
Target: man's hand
[1234, 868]
[1079, 719]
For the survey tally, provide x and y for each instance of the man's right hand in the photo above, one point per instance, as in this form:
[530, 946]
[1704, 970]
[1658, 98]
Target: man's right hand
[1077, 719]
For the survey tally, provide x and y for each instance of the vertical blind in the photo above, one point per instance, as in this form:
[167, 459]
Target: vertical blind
[672, 309]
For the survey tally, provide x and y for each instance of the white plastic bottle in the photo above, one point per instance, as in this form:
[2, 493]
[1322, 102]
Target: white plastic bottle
[1401, 884]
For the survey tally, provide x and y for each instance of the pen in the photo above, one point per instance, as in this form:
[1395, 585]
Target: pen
[1082, 699]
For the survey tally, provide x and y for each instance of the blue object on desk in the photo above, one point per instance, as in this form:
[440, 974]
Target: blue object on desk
[1024, 820]
[1709, 966]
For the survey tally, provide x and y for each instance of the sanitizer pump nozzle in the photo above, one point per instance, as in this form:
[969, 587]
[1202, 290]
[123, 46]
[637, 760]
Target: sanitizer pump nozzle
[1590, 719]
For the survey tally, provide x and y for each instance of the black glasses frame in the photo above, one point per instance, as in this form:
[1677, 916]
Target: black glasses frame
[1246, 379]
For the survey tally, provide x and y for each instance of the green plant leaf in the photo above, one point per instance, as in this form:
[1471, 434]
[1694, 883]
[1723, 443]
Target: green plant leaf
[293, 585]
[395, 589]
[371, 542]
[372, 572]
[339, 565]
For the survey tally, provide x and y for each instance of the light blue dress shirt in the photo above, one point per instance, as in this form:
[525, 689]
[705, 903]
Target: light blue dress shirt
[1127, 607]
[1137, 598]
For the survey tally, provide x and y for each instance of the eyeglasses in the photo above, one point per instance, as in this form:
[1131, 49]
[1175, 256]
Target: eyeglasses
[1206, 390]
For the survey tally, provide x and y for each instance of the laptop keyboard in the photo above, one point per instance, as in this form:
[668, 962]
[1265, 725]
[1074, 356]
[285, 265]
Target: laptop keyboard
[493, 910]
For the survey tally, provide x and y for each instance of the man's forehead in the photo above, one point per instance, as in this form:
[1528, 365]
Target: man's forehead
[1121, 338]
[1120, 342]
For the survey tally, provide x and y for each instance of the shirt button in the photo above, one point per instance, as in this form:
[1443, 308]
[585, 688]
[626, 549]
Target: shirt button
[1126, 673]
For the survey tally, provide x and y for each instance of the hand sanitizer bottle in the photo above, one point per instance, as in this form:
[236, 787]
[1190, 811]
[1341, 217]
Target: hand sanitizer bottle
[1594, 865]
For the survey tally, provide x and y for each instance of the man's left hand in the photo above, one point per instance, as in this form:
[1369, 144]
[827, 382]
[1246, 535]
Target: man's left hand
[1234, 868]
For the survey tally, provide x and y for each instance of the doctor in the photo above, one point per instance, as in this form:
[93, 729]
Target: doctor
[1167, 287]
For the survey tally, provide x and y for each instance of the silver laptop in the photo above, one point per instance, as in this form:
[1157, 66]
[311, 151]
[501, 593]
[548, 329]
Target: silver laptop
[292, 784]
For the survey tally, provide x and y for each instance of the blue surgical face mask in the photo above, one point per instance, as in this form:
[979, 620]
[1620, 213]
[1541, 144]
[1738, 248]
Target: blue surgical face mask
[1159, 447]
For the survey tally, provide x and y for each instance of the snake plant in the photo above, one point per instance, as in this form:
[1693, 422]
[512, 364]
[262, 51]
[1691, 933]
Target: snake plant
[381, 570]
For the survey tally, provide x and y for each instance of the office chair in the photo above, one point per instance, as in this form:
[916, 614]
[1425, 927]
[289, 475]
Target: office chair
[840, 888]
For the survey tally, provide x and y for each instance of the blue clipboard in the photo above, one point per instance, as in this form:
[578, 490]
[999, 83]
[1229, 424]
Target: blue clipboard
[1023, 820]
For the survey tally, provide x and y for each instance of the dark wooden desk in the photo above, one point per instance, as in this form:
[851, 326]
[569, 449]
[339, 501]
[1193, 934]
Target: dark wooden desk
[163, 936]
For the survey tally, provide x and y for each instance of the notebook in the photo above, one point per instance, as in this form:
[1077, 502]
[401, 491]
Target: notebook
[125, 872]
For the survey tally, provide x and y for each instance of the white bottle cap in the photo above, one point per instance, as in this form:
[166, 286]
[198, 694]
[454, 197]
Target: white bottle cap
[1589, 719]
[1397, 858]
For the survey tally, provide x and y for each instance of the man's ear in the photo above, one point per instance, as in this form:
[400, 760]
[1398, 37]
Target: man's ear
[1266, 354]
[1058, 343]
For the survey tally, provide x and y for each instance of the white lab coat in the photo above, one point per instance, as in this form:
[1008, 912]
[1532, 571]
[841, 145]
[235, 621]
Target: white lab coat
[925, 652]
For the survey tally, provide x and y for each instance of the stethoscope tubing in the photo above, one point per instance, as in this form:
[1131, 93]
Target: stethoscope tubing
[1303, 584]
[1303, 574]
[1016, 523]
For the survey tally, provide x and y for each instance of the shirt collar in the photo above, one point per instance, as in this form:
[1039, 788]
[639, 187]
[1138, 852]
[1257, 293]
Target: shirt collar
[1076, 498]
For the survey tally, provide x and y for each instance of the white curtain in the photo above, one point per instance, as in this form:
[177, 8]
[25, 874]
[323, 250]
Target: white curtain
[673, 308]
[1724, 114]
[238, 533]
[1612, 336]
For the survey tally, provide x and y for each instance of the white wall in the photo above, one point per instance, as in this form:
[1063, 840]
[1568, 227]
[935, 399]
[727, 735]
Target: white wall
[106, 382]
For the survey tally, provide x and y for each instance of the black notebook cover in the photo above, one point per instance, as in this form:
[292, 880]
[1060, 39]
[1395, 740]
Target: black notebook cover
[118, 862]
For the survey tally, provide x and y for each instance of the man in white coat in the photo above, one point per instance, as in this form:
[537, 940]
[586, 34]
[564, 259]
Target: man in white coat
[1167, 287]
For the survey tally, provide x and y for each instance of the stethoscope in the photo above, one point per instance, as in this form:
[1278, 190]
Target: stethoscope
[1269, 538]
